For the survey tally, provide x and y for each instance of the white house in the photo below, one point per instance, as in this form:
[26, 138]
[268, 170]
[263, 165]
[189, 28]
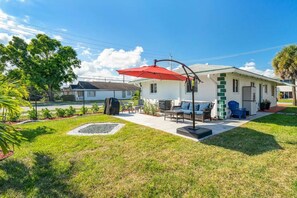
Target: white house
[100, 90]
[286, 90]
[221, 84]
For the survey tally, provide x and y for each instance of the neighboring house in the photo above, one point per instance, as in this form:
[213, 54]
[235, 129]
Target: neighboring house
[221, 84]
[285, 90]
[100, 90]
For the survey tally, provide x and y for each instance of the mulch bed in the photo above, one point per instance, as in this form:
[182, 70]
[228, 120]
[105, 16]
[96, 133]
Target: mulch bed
[2, 156]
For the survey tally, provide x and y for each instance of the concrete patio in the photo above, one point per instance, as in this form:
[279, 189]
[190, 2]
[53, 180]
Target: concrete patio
[170, 126]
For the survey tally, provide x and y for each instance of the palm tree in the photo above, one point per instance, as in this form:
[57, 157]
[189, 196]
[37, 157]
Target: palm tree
[285, 66]
[12, 96]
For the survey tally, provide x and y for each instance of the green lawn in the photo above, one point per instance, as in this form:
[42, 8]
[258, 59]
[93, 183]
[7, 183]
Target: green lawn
[285, 100]
[290, 109]
[256, 160]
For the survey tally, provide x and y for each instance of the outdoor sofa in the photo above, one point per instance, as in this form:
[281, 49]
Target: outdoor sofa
[202, 110]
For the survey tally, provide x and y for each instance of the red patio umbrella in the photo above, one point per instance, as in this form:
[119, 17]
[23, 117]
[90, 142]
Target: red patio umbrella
[154, 72]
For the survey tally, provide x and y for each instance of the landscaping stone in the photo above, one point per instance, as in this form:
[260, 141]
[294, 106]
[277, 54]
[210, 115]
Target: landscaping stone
[96, 129]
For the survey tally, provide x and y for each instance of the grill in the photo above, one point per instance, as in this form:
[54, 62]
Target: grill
[164, 105]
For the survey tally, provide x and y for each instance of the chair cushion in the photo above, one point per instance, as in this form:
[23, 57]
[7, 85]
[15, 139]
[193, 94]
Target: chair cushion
[196, 107]
[198, 112]
[203, 106]
[185, 105]
[188, 112]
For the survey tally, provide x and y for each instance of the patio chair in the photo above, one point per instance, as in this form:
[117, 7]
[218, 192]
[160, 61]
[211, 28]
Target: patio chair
[235, 110]
[127, 107]
[140, 105]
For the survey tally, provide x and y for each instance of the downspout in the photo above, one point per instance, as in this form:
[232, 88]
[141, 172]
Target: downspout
[216, 102]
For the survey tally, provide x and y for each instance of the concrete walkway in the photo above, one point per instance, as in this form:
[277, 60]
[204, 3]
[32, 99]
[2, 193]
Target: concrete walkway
[218, 126]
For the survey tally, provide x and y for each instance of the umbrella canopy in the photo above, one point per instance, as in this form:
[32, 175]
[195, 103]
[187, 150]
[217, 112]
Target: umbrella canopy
[154, 72]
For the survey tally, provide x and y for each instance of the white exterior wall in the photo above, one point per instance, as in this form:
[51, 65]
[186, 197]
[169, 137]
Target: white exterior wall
[246, 81]
[176, 91]
[101, 95]
[207, 91]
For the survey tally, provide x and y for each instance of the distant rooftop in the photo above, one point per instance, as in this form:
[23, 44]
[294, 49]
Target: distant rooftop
[104, 86]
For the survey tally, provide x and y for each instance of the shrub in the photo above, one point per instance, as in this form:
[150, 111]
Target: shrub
[46, 113]
[13, 117]
[146, 108]
[68, 98]
[84, 110]
[153, 109]
[70, 112]
[32, 114]
[95, 108]
[60, 112]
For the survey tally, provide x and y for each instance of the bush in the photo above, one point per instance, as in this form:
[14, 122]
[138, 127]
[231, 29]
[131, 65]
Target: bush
[95, 108]
[70, 112]
[46, 113]
[32, 114]
[60, 112]
[84, 110]
[13, 117]
[68, 98]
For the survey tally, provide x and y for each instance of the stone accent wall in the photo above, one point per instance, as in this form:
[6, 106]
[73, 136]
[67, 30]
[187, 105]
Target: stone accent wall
[221, 96]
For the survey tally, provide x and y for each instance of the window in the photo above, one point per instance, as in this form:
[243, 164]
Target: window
[235, 85]
[252, 84]
[123, 94]
[154, 88]
[128, 93]
[80, 94]
[265, 88]
[272, 90]
[188, 86]
[91, 93]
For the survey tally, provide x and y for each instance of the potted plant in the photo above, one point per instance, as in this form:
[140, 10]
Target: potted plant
[262, 106]
[267, 104]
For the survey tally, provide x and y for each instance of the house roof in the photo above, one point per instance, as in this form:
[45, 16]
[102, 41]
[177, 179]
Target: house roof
[104, 86]
[216, 69]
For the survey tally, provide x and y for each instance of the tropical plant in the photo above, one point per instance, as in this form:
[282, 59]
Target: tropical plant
[285, 65]
[12, 95]
[33, 114]
[60, 112]
[9, 137]
[95, 108]
[46, 113]
[84, 110]
[70, 111]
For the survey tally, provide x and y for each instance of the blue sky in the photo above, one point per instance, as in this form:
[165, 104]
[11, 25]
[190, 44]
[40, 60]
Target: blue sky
[118, 34]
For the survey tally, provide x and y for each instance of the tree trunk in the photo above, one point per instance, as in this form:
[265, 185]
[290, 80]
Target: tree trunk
[294, 92]
[50, 94]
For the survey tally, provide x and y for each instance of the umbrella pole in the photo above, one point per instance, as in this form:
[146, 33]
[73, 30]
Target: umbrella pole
[193, 104]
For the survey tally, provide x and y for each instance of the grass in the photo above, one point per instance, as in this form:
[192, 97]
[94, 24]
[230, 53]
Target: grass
[290, 109]
[285, 100]
[255, 160]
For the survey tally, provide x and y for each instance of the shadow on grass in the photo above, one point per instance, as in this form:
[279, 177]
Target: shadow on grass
[31, 134]
[244, 140]
[40, 180]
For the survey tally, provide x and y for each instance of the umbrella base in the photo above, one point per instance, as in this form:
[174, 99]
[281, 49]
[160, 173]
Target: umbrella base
[198, 132]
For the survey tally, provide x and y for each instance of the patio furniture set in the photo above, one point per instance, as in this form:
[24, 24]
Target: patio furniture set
[184, 110]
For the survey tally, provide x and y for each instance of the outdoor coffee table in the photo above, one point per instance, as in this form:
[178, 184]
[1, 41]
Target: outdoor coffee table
[176, 114]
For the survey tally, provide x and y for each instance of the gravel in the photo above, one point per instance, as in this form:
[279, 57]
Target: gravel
[96, 128]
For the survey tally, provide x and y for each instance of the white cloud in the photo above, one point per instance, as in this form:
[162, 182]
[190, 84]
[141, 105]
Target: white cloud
[251, 67]
[58, 37]
[4, 37]
[13, 26]
[26, 19]
[109, 60]
[86, 52]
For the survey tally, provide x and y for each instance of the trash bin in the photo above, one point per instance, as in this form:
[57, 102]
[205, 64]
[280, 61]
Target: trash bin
[111, 106]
